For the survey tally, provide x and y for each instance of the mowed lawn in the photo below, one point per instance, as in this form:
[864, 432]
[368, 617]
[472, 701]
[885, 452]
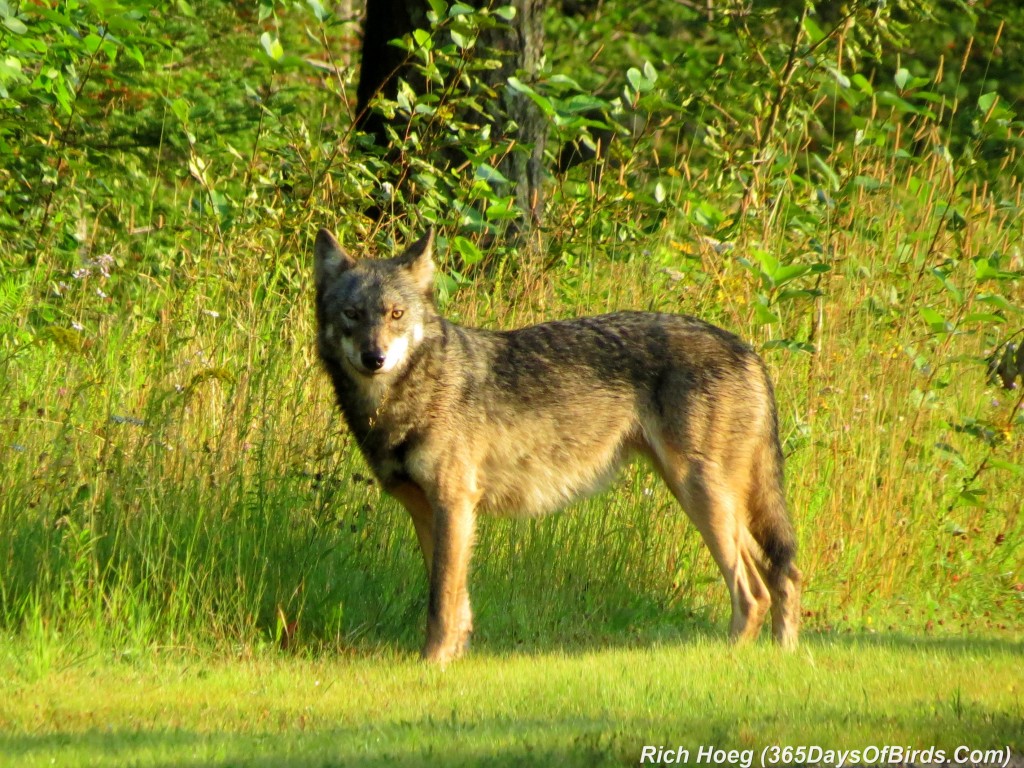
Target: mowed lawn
[592, 707]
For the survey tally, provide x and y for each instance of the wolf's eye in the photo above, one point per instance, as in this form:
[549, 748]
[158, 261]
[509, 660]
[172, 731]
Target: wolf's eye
[351, 314]
[396, 314]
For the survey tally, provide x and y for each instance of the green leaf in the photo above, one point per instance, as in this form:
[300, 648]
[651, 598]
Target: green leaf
[1009, 466]
[984, 269]
[10, 69]
[502, 210]
[565, 80]
[485, 172]
[650, 73]
[901, 78]
[197, 167]
[999, 302]
[318, 10]
[447, 286]
[541, 101]
[92, 43]
[987, 100]
[813, 31]
[888, 99]
[791, 345]
[972, 498]
[180, 109]
[935, 321]
[788, 294]
[762, 314]
[640, 83]
[135, 54]
[16, 25]
[842, 80]
[955, 292]
[983, 317]
[768, 262]
[582, 102]
[708, 215]
[866, 182]
[461, 40]
[422, 38]
[863, 84]
[952, 454]
[467, 250]
[507, 12]
[272, 45]
[786, 274]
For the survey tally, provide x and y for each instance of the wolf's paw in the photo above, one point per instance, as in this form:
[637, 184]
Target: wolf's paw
[442, 654]
[786, 639]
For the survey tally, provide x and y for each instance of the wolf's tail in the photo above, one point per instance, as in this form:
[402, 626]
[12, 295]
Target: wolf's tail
[769, 522]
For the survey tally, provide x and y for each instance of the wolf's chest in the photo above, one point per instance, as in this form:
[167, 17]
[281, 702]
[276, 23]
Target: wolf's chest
[384, 445]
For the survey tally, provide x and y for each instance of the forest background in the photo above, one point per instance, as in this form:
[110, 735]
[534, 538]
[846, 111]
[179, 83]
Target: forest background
[839, 183]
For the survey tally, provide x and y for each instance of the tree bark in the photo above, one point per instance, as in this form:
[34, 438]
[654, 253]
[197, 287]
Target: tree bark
[382, 64]
[519, 46]
[522, 42]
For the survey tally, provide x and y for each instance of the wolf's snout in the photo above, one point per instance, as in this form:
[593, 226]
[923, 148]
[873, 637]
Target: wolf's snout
[372, 361]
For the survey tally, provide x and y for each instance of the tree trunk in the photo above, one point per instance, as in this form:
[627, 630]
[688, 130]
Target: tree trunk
[383, 64]
[522, 42]
[519, 46]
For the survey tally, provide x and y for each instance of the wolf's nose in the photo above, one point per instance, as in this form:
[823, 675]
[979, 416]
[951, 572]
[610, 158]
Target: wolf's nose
[372, 360]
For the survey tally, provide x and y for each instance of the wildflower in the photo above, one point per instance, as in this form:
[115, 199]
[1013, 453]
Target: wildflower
[104, 262]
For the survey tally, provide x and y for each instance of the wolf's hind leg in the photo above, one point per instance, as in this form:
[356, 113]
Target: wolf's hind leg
[784, 587]
[716, 513]
[776, 545]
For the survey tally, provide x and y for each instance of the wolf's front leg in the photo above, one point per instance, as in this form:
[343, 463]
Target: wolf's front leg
[449, 618]
[422, 513]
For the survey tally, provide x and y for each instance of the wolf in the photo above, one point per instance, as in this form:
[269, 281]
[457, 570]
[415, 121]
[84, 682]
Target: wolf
[458, 421]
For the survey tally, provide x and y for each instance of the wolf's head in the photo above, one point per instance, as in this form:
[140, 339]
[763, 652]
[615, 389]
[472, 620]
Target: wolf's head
[372, 313]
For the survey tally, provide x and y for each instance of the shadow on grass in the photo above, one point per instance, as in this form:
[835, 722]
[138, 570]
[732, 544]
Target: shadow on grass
[392, 746]
[488, 742]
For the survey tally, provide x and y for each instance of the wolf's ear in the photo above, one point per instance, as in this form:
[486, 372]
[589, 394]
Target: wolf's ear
[329, 260]
[418, 259]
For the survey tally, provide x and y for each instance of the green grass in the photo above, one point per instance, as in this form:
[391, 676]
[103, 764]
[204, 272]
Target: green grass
[189, 541]
[189, 482]
[580, 707]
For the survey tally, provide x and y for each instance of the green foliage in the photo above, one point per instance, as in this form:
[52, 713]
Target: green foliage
[61, 67]
[840, 192]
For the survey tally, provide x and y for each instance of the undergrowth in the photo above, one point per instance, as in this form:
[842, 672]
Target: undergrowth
[175, 474]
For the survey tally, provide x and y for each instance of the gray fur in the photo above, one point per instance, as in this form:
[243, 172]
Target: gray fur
[463, 420]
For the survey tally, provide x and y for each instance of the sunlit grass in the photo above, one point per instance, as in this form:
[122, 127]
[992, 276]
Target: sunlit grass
[588, 707]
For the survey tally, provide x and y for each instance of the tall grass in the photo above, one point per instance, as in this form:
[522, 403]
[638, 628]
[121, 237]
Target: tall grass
[175, 473]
